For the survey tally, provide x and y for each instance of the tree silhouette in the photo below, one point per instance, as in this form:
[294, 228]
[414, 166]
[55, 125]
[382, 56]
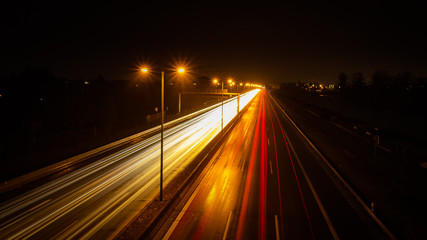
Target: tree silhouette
[380, 79]
[404, 80]
[357, 80]
[342, 80]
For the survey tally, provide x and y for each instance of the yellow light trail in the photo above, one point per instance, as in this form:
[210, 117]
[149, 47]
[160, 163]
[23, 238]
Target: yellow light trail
[92, 201]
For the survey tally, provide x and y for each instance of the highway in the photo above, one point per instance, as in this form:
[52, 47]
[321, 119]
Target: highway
[265, 181]
[98, 200]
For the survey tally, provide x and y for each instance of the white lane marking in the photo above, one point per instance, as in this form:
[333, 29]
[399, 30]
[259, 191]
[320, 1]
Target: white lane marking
[313, 191]
[181, 214]
[271, 168]
[227, 226]
[276, 223]
[359, 199]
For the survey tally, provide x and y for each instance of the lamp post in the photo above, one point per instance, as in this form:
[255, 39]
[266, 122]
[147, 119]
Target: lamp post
[222, 106]
[232, 83]
[161, 135]
[222, 100]
[145, 70]
[222, 103]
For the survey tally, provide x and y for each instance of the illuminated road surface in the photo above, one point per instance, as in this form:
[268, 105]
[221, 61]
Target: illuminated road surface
[98, 200]
[264, 182]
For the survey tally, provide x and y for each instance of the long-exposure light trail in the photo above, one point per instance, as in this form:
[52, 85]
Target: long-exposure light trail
[97, 200]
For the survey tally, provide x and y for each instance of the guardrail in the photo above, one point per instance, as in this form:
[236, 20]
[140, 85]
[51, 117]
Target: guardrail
[54, 168]
[340, 179]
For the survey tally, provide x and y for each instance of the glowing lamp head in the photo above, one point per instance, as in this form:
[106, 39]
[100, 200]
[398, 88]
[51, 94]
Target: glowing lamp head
[181, 70]
[144, 70]
[215, 81]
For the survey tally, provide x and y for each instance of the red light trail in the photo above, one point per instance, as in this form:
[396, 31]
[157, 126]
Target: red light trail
[296, 176]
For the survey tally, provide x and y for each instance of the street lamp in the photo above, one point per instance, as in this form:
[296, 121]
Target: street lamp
[222, 102]
[180, 71]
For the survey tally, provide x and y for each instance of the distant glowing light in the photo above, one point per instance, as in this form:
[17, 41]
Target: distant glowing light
[144, 70]
[181, 70]
[255, 85]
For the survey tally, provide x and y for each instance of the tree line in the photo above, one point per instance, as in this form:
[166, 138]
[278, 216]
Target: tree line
[381, 80]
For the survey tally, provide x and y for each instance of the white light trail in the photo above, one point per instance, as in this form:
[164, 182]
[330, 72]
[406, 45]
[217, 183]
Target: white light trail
[93, 200]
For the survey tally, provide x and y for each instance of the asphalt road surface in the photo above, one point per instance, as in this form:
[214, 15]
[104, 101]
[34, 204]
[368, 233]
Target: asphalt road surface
[98, 200]
[266, 182]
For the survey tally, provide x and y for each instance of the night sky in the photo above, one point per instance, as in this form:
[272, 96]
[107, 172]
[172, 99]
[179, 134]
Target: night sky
[250, 40]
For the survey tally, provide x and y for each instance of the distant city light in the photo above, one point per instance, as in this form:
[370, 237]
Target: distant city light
[255, 85]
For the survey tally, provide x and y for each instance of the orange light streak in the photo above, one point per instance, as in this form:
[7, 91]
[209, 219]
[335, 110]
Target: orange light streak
[263, 175]
[252, 160]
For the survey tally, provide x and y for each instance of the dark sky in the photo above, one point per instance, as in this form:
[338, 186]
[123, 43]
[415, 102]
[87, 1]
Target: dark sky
[250, 40]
